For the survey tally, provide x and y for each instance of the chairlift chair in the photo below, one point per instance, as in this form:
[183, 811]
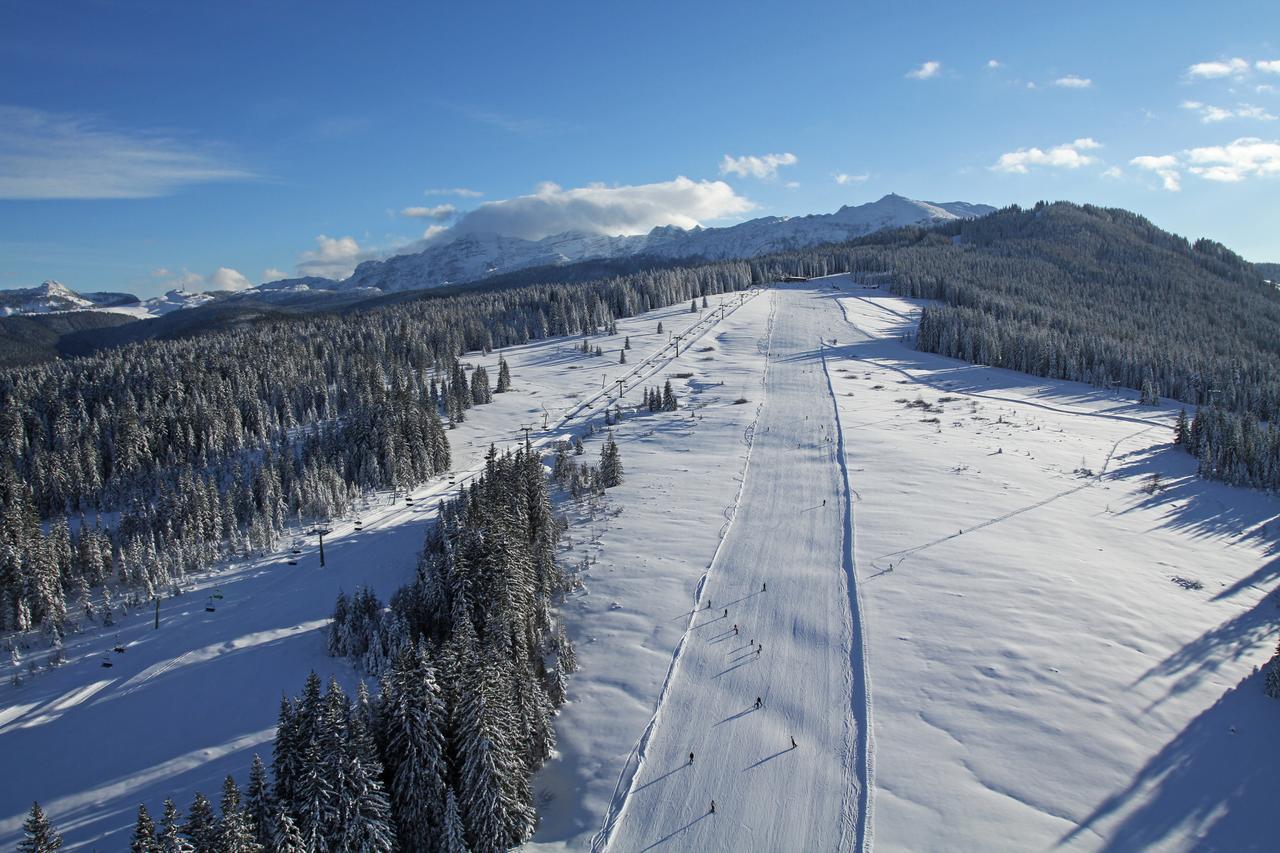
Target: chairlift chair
[209, 608]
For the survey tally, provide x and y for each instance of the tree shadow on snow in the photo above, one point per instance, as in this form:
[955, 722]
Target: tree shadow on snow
[1215, 782]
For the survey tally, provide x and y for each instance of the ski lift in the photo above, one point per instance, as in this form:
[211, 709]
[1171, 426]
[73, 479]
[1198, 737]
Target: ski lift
[118, 648]
[217, 593]
[293, 562]
[209, 608]
[408, 499]
[107, 664]
[359, 524]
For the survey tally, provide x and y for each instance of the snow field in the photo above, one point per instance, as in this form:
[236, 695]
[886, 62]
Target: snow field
[1044, 678]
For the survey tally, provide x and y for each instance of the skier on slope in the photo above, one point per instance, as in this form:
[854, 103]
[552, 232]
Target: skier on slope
[758, 703]
[726, 613]
[793, 742]
[713, 807]
[764, 587]
[691, 758]
[735, 630]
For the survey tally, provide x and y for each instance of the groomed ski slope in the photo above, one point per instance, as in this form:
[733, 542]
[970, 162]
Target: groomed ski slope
[792, 531]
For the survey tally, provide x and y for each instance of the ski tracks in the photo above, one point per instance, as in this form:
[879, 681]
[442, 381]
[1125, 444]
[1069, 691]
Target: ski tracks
[635, 760]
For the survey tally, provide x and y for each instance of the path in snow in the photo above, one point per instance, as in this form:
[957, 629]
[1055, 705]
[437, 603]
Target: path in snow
[791, 531]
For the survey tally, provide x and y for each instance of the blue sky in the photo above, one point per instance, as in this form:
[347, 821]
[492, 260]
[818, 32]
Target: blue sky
[146, 145]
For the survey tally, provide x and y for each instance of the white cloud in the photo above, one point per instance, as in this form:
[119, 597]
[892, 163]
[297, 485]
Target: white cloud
[333, 257]
[1219, 68]
[440, 212]
[1163, 165]
[843, 178]
[460, 192]
[433, 230]
[51, 156]
[1069, 155]
[601, 209]
[1071, 81]
[791, 185]
[764, 167]
[1231, 163]
[925, 71]
[1268, 66]
[1113, 172]
[225, 278]
[273, 274]
[993, 63]
[1210, 114]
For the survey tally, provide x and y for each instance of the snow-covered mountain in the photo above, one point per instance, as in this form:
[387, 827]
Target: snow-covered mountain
[473, 256]
[53, 297]
[470, 257]
[49, 297]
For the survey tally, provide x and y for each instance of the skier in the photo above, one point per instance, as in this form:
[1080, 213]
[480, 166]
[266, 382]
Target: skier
[735, 630]
[764, 587]
[824, 501]
[713, 806]
[758, 703]
[759, 649]
[726, 613]
[793, 742]
[691, 758]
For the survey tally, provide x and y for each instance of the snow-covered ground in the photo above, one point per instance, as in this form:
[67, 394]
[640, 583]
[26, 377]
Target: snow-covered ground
[1044, 678]
[189, 703]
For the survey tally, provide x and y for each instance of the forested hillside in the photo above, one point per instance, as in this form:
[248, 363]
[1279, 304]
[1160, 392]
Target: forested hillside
[209, 446]
[1101, 296]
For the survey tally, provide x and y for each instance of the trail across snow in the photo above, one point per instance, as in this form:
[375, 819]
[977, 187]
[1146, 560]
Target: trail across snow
[797, 646]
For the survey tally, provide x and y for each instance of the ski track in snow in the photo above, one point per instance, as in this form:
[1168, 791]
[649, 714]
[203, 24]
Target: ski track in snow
[810, 671]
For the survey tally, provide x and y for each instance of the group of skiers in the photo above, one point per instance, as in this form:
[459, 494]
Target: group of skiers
[759, 649]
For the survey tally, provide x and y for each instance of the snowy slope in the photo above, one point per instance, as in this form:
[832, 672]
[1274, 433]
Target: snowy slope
[789, 533]
[191, 702]
[1042, 679]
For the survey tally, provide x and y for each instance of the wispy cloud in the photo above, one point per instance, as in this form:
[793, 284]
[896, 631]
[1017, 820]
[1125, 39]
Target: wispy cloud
[460, 192]
[764, 167]
[1268, 66]
[53, 156]
[1210, 114]
[1071, 81]
[439, 212]
[994, 63]
[1069, 155]
[1218, 68]
[844, 178]
[926, 70]
[333, 257]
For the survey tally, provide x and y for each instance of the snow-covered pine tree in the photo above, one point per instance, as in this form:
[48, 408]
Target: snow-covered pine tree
[144, 833]
[504, 376]
[234, 831]
[669, 402]
[453, 837]
[610, 464]
[170, 838]
[38, 834]
[413, 719]
[287, 838]
[202, 825]
[693, 306]
[259, 806]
